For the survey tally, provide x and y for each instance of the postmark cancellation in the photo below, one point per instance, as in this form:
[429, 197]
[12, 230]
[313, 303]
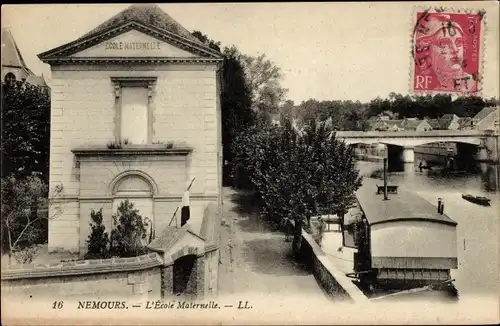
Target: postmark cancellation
[447, 50]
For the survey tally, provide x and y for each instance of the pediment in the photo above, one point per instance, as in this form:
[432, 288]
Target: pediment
[132, 41]
[134, 44]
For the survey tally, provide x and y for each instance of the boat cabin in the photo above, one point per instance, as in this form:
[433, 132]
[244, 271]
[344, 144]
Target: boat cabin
[404, 237]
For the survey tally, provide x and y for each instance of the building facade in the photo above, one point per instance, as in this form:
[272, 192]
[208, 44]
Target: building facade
[136, 115]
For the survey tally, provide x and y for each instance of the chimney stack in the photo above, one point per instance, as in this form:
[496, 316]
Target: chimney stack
[440, 206]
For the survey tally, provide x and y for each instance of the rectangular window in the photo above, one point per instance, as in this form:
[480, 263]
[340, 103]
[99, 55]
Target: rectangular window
[134, 98]
[134, 115]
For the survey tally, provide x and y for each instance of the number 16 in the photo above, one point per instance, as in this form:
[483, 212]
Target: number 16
[57, 305]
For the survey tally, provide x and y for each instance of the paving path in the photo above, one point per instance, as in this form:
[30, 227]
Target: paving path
[255, 259]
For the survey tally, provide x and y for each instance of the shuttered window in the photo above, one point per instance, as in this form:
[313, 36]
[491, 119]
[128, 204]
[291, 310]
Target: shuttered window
[134, 115]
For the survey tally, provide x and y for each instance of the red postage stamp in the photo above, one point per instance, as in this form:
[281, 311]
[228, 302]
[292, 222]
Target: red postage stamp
[447, 52]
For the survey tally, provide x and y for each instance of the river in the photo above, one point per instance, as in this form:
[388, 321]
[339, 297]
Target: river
[478, 227]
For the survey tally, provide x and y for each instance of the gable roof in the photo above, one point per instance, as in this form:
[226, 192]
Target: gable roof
[447, 119]
[392, 123]
[146, 14]
[449, 116]
[465, 122]
[434, 123]
[149, 19]
[484, 113]
[385, 124]
[11, 55]
[170, 236]
[413, 124]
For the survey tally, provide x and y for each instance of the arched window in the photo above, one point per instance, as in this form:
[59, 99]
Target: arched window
[138, 191]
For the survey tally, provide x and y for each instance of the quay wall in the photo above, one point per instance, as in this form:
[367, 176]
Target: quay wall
[334, 283]
[125, 278]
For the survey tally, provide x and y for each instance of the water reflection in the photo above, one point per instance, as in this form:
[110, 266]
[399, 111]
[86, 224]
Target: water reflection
[482, 177]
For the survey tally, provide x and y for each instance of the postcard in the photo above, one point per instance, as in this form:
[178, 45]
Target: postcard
[251, 163]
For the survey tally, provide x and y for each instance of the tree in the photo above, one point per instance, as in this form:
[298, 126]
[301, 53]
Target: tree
[237, 113]
[129, 232]
[264, 78]
[205, 40]
[288, 109]
[355, 120]
[98, 240]
[299, 173]
[24, 209]
[25, 130]
[468, 106]
[429, 106]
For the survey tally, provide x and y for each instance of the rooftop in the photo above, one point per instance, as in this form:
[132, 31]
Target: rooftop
[484, 113]
[404, 205]
[434, 123]
[170, 236]
[146, 14]
[411, 123]
[11, 55]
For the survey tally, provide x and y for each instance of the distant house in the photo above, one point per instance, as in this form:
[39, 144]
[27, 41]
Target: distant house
[388, 125]
[466, 123]
[449, 122]
[434, 123]
[14, 67]
[486, 119]
[416, 125]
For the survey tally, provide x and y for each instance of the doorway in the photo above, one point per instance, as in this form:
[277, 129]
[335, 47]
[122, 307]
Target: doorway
[185, 276]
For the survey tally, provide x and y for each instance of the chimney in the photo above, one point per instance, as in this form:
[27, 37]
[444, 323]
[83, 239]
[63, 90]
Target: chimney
[440, 206]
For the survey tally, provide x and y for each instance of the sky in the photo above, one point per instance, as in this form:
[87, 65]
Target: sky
[327, 51]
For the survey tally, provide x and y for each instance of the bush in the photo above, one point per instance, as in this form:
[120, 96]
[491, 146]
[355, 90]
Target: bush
[23, 211]
[129, 232]
[98, 241]
[26, 255]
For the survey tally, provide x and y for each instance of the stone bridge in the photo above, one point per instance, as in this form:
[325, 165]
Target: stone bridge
[486, 140]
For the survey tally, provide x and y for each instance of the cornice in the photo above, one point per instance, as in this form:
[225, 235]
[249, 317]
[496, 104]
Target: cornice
[62, 52]
[128, 60]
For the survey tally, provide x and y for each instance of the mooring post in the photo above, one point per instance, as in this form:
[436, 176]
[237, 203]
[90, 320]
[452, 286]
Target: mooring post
[385, 179]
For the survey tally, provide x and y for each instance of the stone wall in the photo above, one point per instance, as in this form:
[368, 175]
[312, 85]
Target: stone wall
[136, 278]
[210, 231]
[332, 281]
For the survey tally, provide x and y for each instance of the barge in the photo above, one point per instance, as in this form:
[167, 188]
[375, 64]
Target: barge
[402, 241]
